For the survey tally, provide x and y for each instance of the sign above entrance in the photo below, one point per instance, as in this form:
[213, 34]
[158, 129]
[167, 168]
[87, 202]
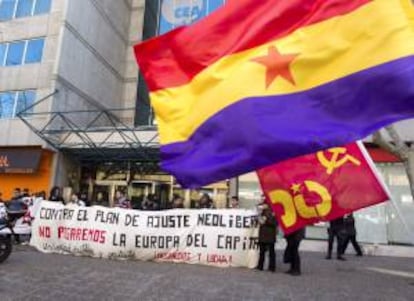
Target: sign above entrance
[20, 159]
[175, 13]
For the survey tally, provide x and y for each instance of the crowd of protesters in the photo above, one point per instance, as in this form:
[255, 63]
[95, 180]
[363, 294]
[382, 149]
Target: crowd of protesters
[341, 229]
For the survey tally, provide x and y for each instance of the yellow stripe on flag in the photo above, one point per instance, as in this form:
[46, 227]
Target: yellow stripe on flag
[372, 35]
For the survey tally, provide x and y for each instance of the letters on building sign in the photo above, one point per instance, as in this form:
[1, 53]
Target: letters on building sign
[4, 161]
[21, 160]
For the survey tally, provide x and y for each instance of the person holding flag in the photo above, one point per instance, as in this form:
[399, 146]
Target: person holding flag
[291, 254]
[267, 236]
[336, 231]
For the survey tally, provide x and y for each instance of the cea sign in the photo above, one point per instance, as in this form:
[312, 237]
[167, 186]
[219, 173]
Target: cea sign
[175, 13]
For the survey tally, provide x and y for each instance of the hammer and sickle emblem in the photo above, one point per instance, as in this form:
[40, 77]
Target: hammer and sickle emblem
[336, 161]
[295, 205]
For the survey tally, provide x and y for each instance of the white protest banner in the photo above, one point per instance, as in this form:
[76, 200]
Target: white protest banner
[223, 238]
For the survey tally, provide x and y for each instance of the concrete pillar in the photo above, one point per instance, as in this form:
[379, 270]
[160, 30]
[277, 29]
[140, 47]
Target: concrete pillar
[234, 187]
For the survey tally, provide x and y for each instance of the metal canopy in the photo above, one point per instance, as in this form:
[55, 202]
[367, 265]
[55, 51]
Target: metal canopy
[93, 133]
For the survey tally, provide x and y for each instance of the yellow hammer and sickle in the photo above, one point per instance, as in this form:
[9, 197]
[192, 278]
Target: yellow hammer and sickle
[335, 161]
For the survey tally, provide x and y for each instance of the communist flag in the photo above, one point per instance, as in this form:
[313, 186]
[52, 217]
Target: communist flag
[322, 186]
[258, 82]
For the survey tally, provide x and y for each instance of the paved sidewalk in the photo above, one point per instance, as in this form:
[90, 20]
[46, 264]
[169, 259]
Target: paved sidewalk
[29, 275]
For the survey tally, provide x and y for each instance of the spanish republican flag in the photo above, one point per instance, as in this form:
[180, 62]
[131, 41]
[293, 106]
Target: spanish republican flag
[322, 186]
[258, 82]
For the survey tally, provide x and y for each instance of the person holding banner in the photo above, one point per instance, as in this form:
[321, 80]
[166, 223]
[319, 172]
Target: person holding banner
[267, 237]
[235, 202]
[121, 200]
[56, 195]
[75, 200]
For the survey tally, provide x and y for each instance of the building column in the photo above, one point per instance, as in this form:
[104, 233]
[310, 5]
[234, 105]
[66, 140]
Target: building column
[234, 187]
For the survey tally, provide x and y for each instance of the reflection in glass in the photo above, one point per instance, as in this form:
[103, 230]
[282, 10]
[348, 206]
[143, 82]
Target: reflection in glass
[34, 51]
[15, 53]
[3, 48]
[7, 9]
[42, 7]
[24, 8]
[7, 100]
[24, 100]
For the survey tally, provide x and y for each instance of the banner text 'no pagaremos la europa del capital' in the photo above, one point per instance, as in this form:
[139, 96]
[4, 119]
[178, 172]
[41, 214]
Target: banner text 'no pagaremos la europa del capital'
[223, 238]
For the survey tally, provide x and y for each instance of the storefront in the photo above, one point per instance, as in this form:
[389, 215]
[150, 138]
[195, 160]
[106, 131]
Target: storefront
[140, 179]
[27, 167]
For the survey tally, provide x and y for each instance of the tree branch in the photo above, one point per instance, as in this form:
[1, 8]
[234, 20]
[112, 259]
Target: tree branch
[400, 145]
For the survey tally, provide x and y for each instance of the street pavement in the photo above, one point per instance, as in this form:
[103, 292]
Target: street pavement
[30, 275]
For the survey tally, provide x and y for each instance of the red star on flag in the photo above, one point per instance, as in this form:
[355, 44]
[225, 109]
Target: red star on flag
[276, 64]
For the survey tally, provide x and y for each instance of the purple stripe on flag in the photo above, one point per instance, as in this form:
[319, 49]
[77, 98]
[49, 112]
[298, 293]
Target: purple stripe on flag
[256, 132]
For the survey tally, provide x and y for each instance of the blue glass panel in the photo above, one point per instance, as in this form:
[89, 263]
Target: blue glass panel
[214, 4]
[34, 51]
[15, 53]
[7, 104]
[24, 100]
[3, 48]
[42, 7]
[7, 9]
[178, 13]
[24, 8]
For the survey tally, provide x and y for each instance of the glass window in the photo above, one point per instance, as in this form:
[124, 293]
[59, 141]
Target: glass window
[42, 7]
[7, 101]
[24, 8]
[24, 100]
[7, 9]
[3, 48]
[214, 4]
[15, 53]
[34, 51]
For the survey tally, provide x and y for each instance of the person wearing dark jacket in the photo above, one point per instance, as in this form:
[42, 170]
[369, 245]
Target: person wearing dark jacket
[267, 237]
[121, 201]
[350, 232]
[178, 203]
[150, 203]
[292, 251]
[56, 195]
[336, 230]
[206, 202]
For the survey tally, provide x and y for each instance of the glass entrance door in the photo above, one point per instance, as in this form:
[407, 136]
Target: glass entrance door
[138, 191]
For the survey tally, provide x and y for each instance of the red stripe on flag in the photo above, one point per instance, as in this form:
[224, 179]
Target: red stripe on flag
[175, 58]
